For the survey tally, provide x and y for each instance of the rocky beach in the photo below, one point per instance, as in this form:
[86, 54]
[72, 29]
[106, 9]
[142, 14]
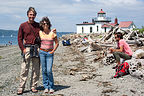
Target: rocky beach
[74, 75]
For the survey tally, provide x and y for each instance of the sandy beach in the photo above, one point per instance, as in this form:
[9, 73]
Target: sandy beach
[73, 76]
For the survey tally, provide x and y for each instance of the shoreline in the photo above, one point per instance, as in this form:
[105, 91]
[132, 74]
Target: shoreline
[1, 45]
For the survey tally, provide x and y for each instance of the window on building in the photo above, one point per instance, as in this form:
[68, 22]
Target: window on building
[82, 29]
[97, 29]
[90, 29]
[105, 29]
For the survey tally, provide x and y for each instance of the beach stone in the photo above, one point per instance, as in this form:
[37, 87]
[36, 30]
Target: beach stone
[139, 54]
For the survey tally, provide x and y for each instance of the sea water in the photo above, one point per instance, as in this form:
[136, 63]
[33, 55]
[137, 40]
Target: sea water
[12, 40]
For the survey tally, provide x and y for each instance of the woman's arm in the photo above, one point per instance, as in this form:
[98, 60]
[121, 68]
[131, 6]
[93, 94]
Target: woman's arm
[56, 45]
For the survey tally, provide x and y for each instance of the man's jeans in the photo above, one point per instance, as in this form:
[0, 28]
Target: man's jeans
[46, 60]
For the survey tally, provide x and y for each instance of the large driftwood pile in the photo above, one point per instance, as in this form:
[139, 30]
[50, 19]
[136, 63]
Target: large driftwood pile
[87, 45]
[131, 36]
[94, 42]
[94, 47]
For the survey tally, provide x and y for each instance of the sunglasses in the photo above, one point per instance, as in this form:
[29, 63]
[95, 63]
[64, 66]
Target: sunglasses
[45, 23]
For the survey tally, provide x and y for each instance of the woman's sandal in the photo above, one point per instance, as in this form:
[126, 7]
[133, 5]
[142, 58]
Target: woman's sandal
[34, 90]
[19, 91]
[51, 91]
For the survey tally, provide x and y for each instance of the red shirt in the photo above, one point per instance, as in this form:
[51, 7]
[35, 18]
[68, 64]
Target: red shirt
[26, 35]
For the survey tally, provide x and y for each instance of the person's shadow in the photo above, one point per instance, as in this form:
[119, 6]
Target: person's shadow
[56, 87]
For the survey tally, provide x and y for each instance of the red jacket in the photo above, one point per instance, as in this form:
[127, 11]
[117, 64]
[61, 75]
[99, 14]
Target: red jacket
[26, 35]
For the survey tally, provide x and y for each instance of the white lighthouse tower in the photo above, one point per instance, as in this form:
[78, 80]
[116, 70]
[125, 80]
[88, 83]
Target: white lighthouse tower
[96, 25]
[101, 17]
[100, 20]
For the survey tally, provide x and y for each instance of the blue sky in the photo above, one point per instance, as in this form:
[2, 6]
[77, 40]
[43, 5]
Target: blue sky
[65, 14]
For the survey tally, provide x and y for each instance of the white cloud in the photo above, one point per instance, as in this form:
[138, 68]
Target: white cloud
[64, 14]
[116, 2]
[78, 0]
[17, 16]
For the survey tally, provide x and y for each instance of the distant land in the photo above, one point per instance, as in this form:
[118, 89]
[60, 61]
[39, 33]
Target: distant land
[11, 33]
[8, 32]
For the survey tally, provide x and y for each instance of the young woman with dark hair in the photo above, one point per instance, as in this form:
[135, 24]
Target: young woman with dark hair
[47, 49]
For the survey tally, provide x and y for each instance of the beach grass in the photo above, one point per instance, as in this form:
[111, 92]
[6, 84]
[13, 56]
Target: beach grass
[100, 36]
[0, 57]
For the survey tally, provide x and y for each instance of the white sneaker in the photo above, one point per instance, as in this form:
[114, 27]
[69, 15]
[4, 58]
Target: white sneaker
[51, 91]
[46, 91]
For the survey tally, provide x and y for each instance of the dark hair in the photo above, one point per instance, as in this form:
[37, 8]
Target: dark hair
[32, 9]
[119, 35]
[46, 19]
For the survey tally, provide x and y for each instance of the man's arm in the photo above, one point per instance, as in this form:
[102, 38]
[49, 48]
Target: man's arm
[116, 50]
[20, 38]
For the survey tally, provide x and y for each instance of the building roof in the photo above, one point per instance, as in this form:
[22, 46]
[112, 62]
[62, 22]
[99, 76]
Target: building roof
[125, 23]
[104, 25]
[101, 12]
[86, 24]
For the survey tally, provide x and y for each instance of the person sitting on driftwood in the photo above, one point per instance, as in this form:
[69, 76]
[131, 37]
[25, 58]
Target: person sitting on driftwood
[123, 49]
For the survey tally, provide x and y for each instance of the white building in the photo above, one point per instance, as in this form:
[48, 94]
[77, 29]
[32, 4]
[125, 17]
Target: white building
[98, 24]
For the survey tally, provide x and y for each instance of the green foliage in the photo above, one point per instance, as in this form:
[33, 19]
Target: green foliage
[140, 30]
[100, 36]
[0, 57]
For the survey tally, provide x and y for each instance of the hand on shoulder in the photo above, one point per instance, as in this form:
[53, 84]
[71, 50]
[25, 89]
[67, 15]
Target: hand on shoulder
[54, 30]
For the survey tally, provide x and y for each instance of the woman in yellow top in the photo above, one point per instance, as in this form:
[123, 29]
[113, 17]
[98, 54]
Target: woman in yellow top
[47, 49]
